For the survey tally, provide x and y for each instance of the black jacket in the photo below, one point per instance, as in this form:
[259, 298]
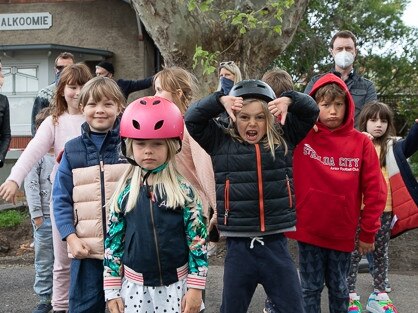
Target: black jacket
[254, 192]
[5, 136]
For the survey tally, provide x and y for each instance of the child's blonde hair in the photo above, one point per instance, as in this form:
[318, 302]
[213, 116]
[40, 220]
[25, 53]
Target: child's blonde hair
[374, 110]
[76, 74]
[180, 83]
[98, 88]
[166, 182]
[273, 138]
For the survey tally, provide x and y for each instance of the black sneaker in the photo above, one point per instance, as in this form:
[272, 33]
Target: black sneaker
[43, 308]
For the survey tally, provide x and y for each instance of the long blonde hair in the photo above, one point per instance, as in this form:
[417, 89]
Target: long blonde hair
[273, 138]
[167, 183]
[180, 83]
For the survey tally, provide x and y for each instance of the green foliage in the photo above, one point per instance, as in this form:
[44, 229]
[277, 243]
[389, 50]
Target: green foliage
[206, 59]
[388, 53]
[11, 218]
[267, 16]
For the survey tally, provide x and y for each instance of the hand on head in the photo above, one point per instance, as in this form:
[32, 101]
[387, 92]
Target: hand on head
[232, 104]
[278, 107]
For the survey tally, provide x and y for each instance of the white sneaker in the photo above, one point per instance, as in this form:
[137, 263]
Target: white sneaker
[379, 302]
[212, 248]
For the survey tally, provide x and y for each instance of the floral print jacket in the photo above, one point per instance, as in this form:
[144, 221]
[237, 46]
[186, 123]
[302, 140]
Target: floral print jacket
[116, 239]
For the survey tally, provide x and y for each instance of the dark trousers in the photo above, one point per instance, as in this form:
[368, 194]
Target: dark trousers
[86, 286]
[318, 266]
[269, 265]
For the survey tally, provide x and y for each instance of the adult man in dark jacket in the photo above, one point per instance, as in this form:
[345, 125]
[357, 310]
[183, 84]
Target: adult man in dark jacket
[106, 69]
[343, 49]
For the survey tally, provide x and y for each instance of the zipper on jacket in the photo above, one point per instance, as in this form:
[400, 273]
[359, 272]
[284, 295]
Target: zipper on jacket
[156, 241]
[226, 200]
[260, 187]
[103, 198]
[289, 191]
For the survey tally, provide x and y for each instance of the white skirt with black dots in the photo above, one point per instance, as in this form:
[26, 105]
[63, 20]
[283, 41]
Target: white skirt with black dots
[162, 299]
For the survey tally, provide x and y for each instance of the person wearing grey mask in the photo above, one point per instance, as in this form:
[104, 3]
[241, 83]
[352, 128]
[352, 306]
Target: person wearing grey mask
[343, 49]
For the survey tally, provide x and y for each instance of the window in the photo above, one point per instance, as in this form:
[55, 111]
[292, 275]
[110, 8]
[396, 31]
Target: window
[20, 79]
[21, 85]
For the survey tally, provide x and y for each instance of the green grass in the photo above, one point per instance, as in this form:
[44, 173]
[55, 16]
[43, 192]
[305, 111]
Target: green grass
[11, 218]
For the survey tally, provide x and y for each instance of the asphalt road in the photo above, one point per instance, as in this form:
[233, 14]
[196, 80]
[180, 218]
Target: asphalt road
[17, 296]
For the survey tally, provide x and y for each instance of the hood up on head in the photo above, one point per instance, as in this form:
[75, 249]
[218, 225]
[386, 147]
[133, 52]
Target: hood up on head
[330, 78]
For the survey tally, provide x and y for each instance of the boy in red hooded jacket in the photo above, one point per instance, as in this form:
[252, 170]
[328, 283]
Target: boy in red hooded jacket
[343, 172]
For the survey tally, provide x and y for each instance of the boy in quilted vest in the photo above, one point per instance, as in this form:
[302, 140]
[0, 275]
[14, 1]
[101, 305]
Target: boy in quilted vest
[88, 171]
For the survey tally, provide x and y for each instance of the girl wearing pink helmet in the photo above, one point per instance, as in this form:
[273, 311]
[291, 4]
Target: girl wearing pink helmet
[155, 250]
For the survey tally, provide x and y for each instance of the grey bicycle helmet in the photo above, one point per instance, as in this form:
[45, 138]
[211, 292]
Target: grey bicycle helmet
[253, 88]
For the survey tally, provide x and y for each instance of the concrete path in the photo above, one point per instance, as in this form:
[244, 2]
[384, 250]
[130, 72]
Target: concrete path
[16, 293]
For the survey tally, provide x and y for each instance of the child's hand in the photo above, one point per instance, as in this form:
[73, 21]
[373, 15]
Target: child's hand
[232, 105]
[191, 301]
[278, 108]
[78, 248]
[8, 191]
[364, 247]
[116, 305]
[368, 135]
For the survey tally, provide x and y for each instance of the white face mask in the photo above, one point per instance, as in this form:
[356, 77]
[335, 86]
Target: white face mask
[344, 59]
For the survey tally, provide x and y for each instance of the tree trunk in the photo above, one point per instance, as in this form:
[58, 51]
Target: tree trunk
[177, 31]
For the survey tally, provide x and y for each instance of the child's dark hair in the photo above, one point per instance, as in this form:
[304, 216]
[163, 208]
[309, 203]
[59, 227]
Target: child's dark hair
[331, 91]
[41, 116]
[375, 110]
[279, 80]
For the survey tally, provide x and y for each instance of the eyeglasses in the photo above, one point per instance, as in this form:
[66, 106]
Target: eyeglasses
[59, 67]
[226, 63]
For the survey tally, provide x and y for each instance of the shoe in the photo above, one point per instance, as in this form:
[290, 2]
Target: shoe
[269, 307]
[379, 302]
[43, 308]
[387, 286]
[212, 248]
[354, 306]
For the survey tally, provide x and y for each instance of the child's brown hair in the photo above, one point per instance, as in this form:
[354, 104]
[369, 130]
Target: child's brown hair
[76, 74]
[279, 80]
[375, 110]
[330, 91]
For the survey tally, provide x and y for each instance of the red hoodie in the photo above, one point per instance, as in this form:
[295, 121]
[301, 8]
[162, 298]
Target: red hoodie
[332, 170]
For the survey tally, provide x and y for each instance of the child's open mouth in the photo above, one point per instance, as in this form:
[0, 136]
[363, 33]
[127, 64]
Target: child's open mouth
[251, 135]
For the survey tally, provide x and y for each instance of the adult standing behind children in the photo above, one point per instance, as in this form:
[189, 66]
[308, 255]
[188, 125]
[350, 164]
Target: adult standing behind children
[344, 172]
[38, 189]
[5, 135]
[252, 161]
[106, 69]
[63, 124]
[45, 95]
[89, 169]
[155, 248]
[343, 48]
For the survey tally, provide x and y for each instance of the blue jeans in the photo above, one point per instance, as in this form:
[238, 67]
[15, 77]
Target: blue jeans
[318, 266]
[44, 259]
[269, 265]
[86, 286]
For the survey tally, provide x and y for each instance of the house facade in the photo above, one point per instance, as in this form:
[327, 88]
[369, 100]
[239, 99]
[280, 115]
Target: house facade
[34, 32]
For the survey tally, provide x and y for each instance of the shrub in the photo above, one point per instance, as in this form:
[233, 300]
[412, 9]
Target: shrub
[11, 218]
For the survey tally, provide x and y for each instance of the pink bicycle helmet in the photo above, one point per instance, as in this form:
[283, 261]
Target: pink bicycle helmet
[152, 118]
